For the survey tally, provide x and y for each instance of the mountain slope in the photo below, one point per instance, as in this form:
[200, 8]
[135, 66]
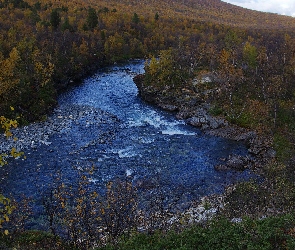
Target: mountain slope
[205, 10]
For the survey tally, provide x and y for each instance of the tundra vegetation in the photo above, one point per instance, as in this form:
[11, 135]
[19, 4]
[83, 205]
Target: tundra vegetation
[250, 58]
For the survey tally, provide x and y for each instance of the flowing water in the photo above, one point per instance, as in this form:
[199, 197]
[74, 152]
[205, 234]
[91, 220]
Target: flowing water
[119, 135]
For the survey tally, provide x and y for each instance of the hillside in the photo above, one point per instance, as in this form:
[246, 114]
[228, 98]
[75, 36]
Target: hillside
[205, 10]
[45, 47]
[215, 11]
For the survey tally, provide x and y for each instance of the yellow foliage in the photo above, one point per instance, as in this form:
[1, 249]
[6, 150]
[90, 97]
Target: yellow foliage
[43, 70]
[8, 72]
[6, 124]
[6, 208]
[152, 66]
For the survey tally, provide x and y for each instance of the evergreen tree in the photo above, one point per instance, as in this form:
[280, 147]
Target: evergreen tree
[66, 25]
[55, 18]
[135, 18]
[92, 18]
[157, 16]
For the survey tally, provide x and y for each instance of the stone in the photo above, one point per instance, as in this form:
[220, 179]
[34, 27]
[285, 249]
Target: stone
[247, 136]
[168, 107]
[195, 121]
[194, 109]
[237, 162]
[213, 123]
[234, 162]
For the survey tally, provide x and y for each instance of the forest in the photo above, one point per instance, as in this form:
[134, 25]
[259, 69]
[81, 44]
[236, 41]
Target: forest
[47, 46]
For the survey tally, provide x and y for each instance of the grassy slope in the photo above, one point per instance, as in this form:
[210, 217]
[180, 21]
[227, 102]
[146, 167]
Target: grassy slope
[209, 10]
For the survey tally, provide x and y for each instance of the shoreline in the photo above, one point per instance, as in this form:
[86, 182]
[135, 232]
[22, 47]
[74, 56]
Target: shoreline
[195, 112]
[38, 133]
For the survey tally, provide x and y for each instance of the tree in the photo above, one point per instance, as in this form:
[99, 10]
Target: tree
[66, 25]
[171, 70]
[114, 47]
[157, 16]
[9, 74]
[92, 18]
[231, 79]
[55, 18]
[6, 207]
[231, 40]
[250, 55]
[135, 18]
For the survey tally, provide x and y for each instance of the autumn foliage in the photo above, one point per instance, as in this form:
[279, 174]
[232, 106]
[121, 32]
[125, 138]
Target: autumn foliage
[47, 45]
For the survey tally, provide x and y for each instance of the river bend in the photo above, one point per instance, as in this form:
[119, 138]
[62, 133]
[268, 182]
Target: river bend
[104, 124]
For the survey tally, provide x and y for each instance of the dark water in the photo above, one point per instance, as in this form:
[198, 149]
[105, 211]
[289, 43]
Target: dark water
[134, 139]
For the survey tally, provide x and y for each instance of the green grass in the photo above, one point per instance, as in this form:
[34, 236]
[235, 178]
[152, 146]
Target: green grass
[265, 234]
[270, 233]
[215, 110]
[31, 240]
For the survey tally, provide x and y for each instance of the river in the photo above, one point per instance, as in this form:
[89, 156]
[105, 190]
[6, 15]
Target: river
[105, 125]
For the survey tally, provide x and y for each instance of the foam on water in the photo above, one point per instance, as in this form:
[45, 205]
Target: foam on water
[93, 180]
[175, 131]
[127, 152]
[146, 119]
[146, 140]
[128, 172]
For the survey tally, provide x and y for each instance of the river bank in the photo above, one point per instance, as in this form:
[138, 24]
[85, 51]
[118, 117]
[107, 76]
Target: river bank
[39, 133]
[103, 123]
[187, 105]
[102, 130]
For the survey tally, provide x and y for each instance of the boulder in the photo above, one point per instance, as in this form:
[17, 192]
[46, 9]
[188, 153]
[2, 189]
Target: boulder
[261, 147]
[234, 162]
[196, 121]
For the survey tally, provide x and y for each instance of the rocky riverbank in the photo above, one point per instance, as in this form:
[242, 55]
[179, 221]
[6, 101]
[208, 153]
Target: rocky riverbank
[191, 107]
[60, 120]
